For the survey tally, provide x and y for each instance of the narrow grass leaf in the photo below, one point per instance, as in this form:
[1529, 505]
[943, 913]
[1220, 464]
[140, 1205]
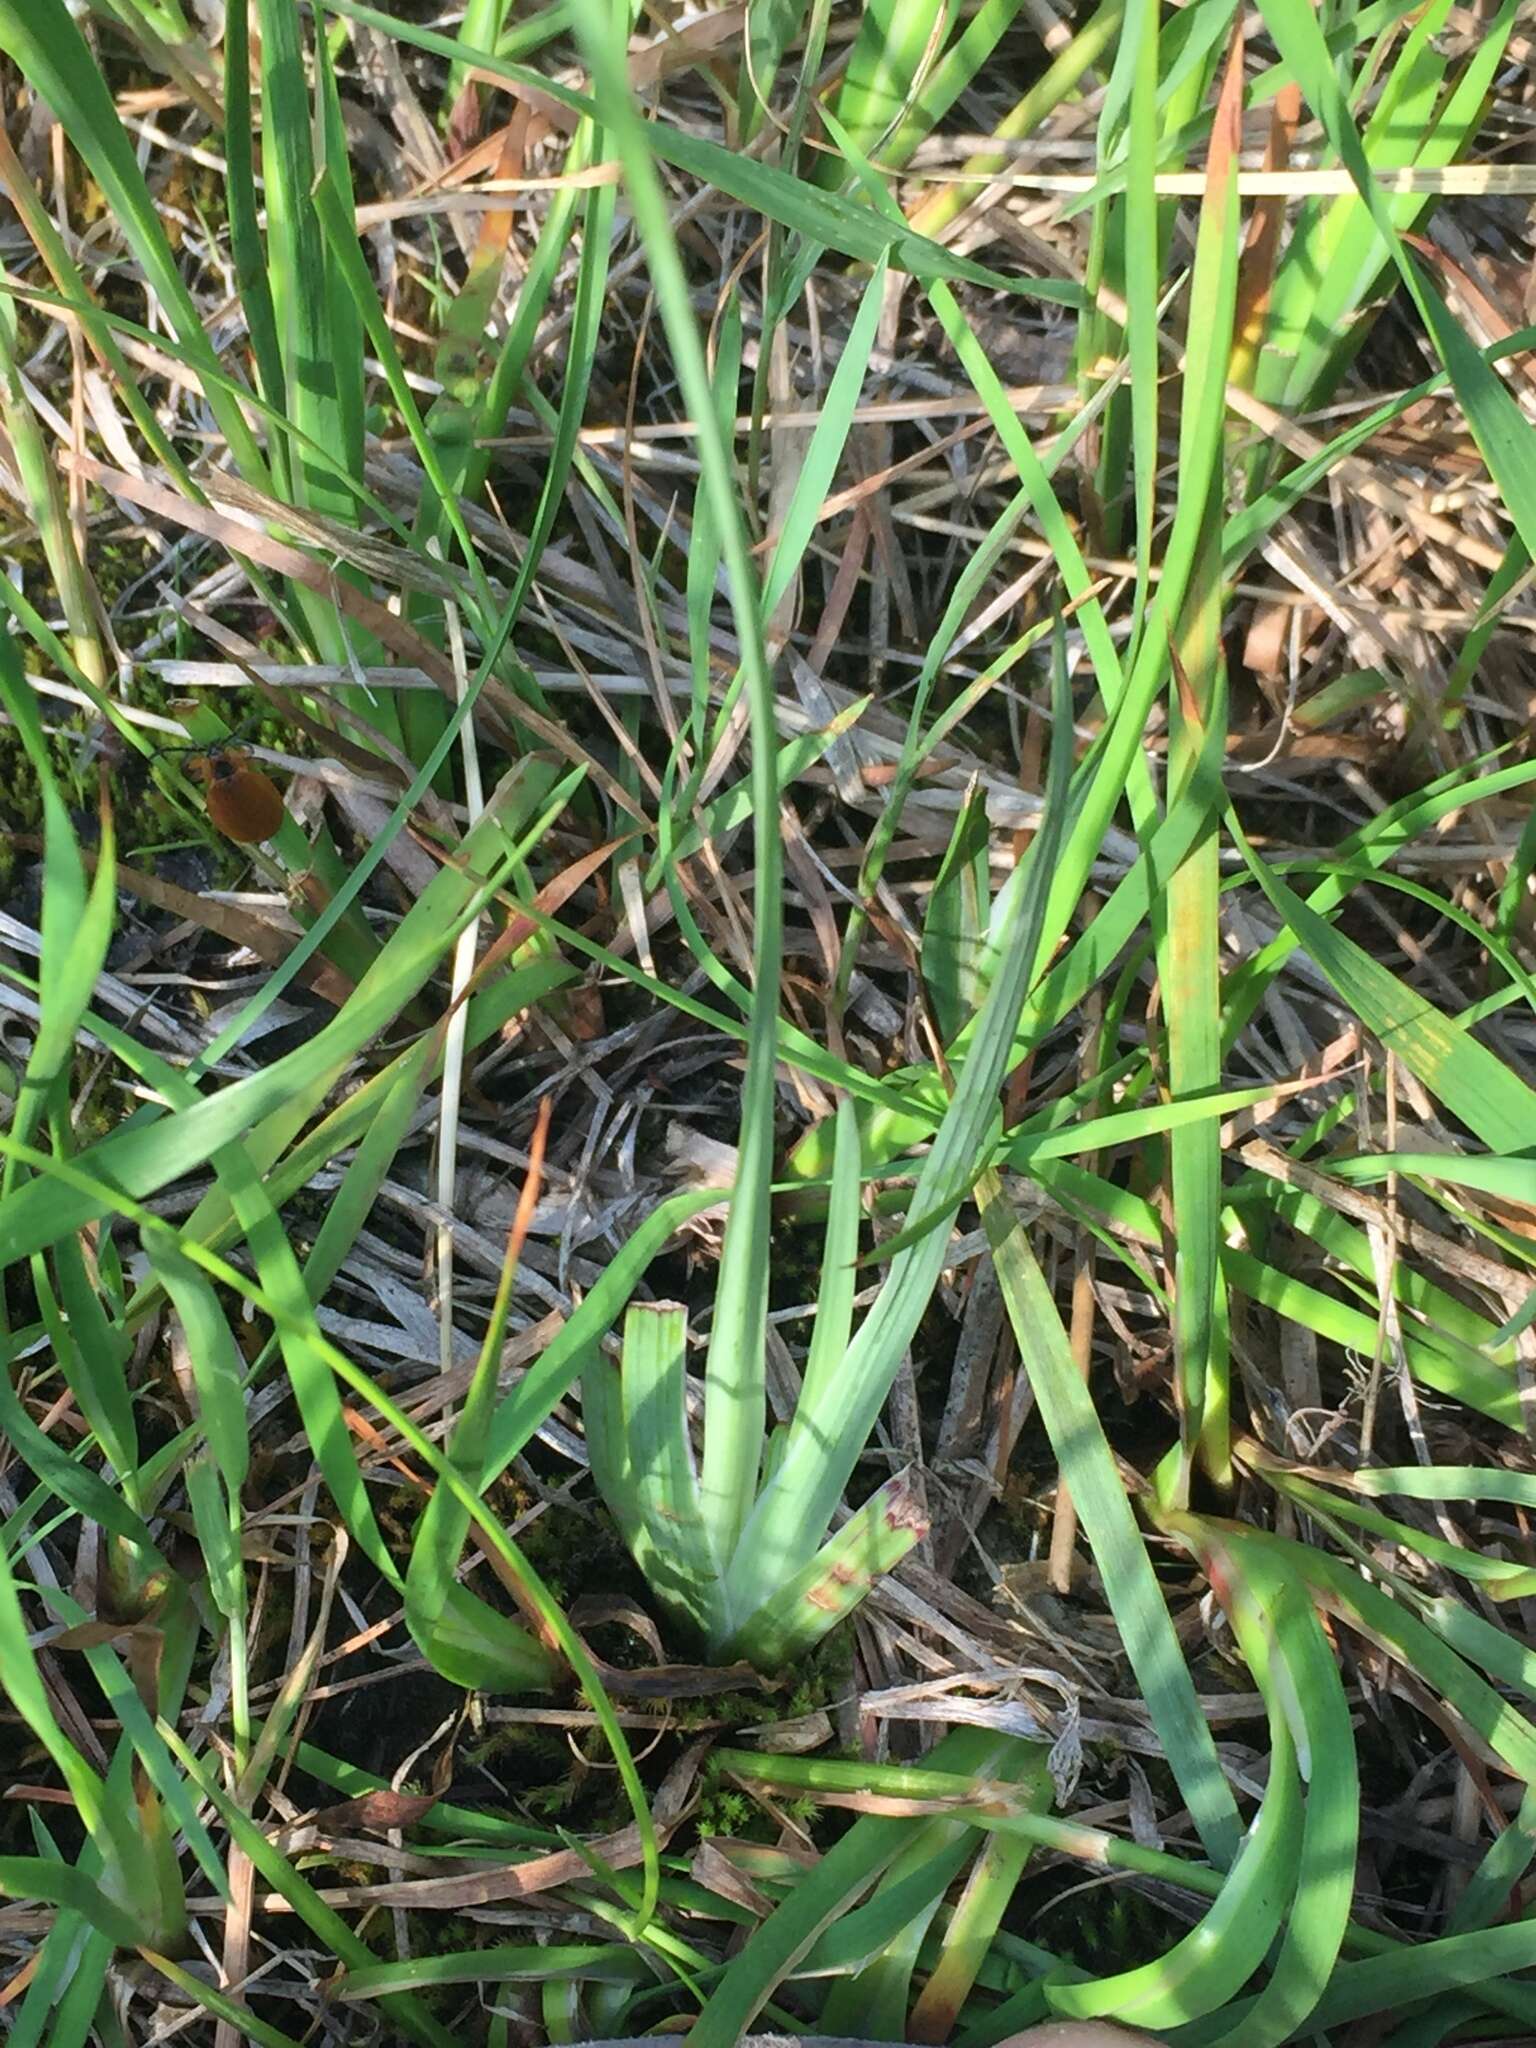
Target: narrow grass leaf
[825, 1441]
[1470, 1081]
[465, 1639]
[151, 1150]
[41, 37]
[1202, 1972]
[1088, 1467]
[955, 925]
[66, 1476]
[735, 1366]
[502, 1963]
[838, 1273]
[1292, 1662]
[825, 1894]
[653, 1379]
[828, 440]
[31, 1880]
[1500, 429]
[873, 1541]
[218, 1369]
[824, 218]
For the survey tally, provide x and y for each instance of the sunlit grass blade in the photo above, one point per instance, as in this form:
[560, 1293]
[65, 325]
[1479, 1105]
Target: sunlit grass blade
[41, 38]
[70, 1479]
[876, 1997]
[1085, 48]
[60, 1884]
[94, 1350]
[1284, 1643]
[1087, 1465]
[1202, 1972]
[845, 1872]
[955, 926]
[60, 2003]
[44, 492]
[828, 441]
[823, 218]
[825, 1440]
[406, 2012]
[1471, 1081]
[839, 1260]
[1189, 920]
[893, 51]
[127, 1905]
[940, 83]
[1500, 429]
[978, 1914]
[873, 1541]
[574, 1351]
[654, 1380]
[77, 914]
[463, 1637]
[147, 1151]
[512, 1963]
[734, 1372]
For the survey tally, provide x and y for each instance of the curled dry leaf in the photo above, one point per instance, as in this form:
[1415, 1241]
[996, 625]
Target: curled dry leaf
[378, 1809]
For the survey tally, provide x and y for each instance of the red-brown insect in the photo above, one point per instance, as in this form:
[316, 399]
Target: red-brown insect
[243, 802]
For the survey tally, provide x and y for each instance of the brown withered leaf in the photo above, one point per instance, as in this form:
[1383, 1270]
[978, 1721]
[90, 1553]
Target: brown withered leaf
[382, 1809]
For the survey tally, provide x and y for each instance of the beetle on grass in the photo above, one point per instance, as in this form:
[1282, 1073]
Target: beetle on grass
[243, 801]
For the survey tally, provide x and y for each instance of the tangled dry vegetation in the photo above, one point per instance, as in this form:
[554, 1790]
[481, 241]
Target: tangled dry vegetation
[864, 1146]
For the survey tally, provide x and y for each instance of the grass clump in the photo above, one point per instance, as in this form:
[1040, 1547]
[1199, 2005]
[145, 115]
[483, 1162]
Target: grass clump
[836, 1235]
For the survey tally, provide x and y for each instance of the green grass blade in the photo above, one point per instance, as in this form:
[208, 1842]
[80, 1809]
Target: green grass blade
[59, 1884]
[972, 1928]
[828, 440]
[462, 1637]
[71, 1481]
[825, 1894]
[567, 1357]
[1213, 1962]
[1292, 1660]
[873, 1541]
[77, 918]
[1472, 1082]
[40, 36]
[954, 928]
[406, 2012]
[218, 1370]
[885, 68]
[685, 1570]
[94, 1350]
[1499, 427]
[1087, 1465]
[509, 1963]
[317, 328]
[149, 1152]
[838, 1275]
[734, 1371]
[825, 1440]
[821, 217]
[1189, 921]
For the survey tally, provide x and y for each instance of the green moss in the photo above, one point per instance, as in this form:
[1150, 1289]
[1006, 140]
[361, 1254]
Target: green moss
[99, 1107]
[726, 1812]
[730, 1815]
[570, 1552]
[21, 800]
[1102, 1928]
